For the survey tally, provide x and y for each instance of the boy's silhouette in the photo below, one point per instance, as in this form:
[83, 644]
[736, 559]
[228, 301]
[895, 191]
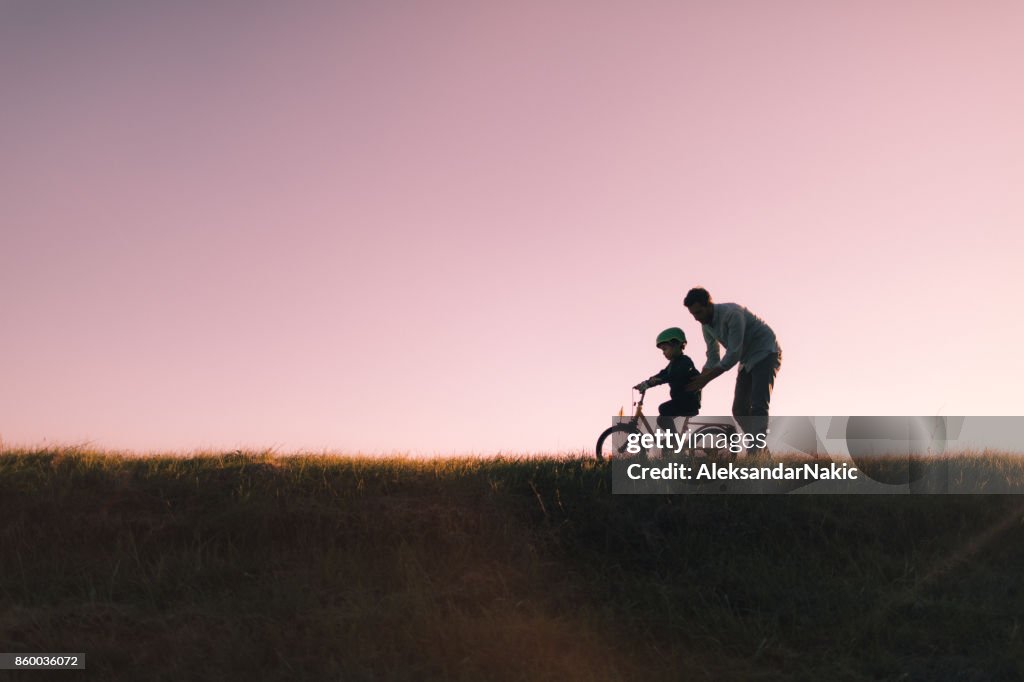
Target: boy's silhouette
[679, 372]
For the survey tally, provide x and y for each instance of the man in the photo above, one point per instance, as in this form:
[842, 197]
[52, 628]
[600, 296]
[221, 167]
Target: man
[749, 342]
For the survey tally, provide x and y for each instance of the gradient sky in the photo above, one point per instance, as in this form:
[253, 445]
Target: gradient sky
[458, 226]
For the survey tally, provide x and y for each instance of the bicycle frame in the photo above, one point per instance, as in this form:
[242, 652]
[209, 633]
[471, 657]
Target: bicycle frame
[639, 416]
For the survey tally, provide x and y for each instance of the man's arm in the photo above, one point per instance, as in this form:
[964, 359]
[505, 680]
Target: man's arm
[734, 325]
[705, 378]
[712, 345]
[735, 329]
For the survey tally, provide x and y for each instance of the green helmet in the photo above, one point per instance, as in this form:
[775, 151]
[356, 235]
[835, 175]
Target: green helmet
[671, 334]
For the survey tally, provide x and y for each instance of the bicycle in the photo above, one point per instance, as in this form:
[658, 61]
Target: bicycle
[614, 441]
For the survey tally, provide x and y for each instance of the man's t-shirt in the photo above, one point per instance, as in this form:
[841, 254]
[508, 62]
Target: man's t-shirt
[746, 337]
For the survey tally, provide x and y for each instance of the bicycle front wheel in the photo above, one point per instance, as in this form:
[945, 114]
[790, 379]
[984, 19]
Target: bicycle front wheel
[613, 441]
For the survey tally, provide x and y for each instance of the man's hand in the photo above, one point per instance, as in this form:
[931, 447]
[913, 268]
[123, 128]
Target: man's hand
[642, 386]
[697, 383]
[703, 380]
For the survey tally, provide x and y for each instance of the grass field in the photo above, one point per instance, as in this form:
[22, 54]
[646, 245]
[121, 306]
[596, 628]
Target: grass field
[256, 567]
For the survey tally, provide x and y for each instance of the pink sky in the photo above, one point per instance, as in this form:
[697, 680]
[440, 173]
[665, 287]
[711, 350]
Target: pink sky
[458, 226]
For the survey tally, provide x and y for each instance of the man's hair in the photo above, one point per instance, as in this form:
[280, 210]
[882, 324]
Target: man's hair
[697, 295]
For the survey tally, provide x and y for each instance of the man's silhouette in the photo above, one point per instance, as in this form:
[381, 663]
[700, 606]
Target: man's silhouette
[749, 342]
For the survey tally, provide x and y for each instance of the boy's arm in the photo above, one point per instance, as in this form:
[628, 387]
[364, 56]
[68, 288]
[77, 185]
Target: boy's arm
[656, 380]
[691, 370]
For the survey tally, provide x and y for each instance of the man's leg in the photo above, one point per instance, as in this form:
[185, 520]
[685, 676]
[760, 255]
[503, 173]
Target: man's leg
[741, 397]
[741, 400]
[762, 382]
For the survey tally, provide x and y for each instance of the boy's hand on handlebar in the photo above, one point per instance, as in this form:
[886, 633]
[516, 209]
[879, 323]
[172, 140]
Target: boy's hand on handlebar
[642, 386]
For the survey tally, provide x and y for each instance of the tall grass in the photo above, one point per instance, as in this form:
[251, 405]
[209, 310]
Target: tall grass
[256, 566]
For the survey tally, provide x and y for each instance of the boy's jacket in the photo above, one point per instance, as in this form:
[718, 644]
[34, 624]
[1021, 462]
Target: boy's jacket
[680, 372]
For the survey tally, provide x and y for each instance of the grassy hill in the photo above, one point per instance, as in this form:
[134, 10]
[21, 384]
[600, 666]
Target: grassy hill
[258, 567]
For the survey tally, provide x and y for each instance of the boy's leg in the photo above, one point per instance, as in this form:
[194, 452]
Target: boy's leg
[666, 416]
[667, 413]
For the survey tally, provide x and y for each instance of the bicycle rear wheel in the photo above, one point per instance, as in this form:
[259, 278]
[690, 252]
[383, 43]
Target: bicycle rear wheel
[613, 441]
[714, 445]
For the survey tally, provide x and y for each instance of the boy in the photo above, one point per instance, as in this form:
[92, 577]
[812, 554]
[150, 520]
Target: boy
[677, 375]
